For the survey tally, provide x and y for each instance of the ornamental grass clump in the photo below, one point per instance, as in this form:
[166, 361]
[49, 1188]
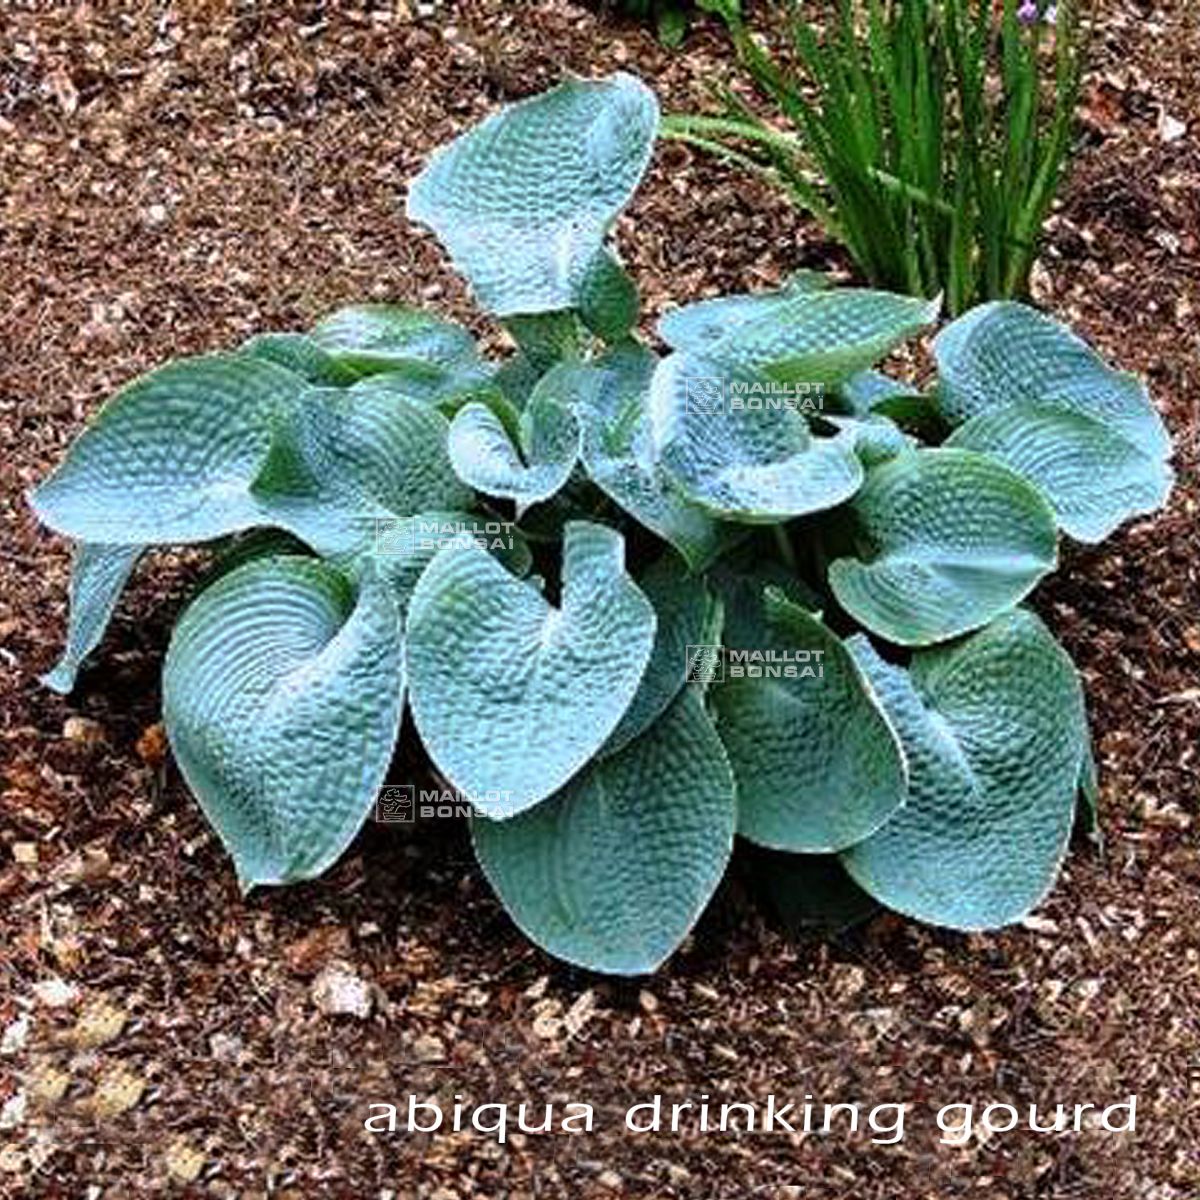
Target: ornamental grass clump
[928, 136]
[632, 602]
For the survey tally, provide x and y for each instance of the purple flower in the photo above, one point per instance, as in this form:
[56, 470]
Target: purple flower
[1027, 14]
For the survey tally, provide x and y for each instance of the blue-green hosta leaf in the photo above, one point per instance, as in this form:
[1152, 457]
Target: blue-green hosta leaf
[511, 696]
[403, 547]
[619, 458]
[864, 392]
[948, 539]
[608, 299]
[994, 730]
[613, 871]
[742, 584]
[1030, 392]
[282, 696]
[357, 458]
[300, 353]
[688, 615]
[447, 388]
[1006, 353]
[547, 338]
[98, 576]
[1093, 477]
[815, 337]
[876, 438]
[173, 457]
[748, 462]
[484, 456]
[523, 201]
[695, 327]
[516, 378]
[368, 339]
[818, 767]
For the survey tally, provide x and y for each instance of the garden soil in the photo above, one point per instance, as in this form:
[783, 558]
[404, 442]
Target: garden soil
[175, 178]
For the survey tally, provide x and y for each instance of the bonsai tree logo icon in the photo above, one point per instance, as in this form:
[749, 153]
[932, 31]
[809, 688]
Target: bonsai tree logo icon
[705, 395]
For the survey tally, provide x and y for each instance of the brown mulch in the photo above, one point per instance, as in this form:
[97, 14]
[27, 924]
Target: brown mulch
[173, 178]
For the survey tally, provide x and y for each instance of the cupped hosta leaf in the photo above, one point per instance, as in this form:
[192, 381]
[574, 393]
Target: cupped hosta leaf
[619, 458]
[1030, 392]
[173, 456]
[876, 438]
[447, 387]
[355, 458]
[948, 539]
[688, 615]
[510, 695]
[548, 338]
[994, 730]
[742, 583]
[300, 353]
[695, 327]
[98, 576]
[608, 299]
[485, 458]
[744, 455]
[1006, 353]
[613, 871]
[811, 336]
[818, 767]
[523, 201]
[1093, 477]
[367, 339]
[405, 546]
[282, 696]
[865, 392]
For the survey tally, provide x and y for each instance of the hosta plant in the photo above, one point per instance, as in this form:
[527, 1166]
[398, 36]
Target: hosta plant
[633, 600]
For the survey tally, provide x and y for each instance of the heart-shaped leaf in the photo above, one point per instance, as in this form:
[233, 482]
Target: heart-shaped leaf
[511, 696]
[172, 457]
[800, 335]
[1038, 398]
[352, 459]
[744, 455]
[367, 339]
[405, 546]
[613, 871]
[696, 327]
[282, 696]
[301, 354]
[98, 577]
[1091, 475]
[524, 200]
[485, 458]
[948, 539]
[619, 458]
[688, 615]
[994, 730]
[818, 766]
